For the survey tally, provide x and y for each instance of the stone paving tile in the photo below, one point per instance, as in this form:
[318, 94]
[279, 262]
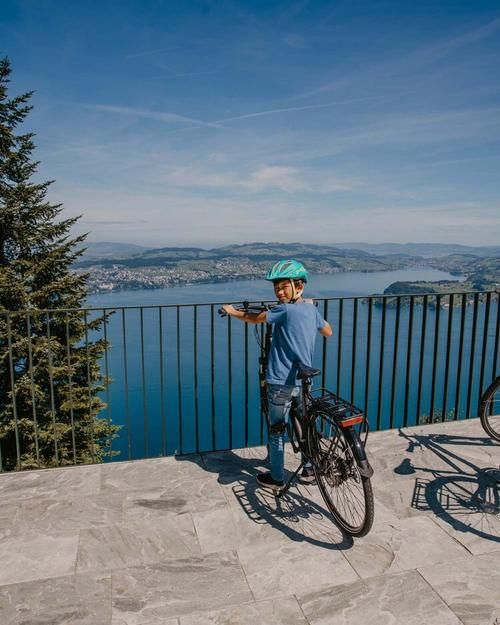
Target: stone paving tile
[250, 460]
[386, 443]
[58, 483]
[142, 475]
[37, 556]
[279, 611]
[470, 587]
[448, 455]
[292, 567]
[71, 600]
[386, 600]
[463, 427]
[402, 545]
[299, 515]
[175, 509]
[69, 514]
[396, 492]
[186, 495]
[170, 621]
[302, 513]
[430, 445]
[223, 529]
[468, 508]
[232, 466]
[8, 513]
[152, 594]
[137, 543]
[478, 532]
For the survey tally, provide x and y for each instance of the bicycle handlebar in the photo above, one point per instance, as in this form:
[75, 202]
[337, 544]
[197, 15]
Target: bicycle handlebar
[246, 307]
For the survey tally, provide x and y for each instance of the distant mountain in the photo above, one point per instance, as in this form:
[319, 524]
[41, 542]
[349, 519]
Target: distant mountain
[425, 250]
[166, 266]
[109, 249]
[320, 258]
[274, 249]
[283, 250]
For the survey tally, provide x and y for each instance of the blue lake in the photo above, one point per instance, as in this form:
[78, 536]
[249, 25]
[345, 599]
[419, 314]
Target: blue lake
[184, 379]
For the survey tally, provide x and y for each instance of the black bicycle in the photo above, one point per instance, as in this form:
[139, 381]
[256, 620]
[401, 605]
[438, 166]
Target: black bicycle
[489, 409]
[331, 435]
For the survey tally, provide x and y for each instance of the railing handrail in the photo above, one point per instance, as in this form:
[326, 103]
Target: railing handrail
[237, 301]
[405, 358]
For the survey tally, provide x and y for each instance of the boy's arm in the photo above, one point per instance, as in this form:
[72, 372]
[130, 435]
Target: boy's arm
[245, 316]
[326, 330]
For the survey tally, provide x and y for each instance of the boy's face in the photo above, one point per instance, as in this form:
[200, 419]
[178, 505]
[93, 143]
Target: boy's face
[284, 291]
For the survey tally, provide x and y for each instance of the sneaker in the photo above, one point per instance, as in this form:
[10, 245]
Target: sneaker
[266, 481]
[307, 474]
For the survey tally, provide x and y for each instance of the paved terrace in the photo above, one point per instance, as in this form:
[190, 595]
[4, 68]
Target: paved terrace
[189, 541]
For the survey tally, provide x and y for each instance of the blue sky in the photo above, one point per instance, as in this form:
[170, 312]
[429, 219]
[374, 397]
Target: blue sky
[174, 123]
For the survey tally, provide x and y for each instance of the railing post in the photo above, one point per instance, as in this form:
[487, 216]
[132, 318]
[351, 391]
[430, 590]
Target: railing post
[408, 360]
[395, 360]
[13, 390]
[448, 349]
[381, 363]
[354, 345]
[472, 353]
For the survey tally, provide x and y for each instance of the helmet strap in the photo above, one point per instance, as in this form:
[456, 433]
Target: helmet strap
[295, 295]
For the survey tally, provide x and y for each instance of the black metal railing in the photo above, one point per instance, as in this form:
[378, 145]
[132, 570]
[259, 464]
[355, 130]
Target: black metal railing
[179, 379]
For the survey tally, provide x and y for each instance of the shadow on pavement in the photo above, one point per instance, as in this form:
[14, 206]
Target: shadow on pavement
[297, 514]
[458, 491]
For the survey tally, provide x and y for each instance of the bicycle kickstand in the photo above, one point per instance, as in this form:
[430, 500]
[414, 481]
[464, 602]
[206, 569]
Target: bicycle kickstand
[287, 486]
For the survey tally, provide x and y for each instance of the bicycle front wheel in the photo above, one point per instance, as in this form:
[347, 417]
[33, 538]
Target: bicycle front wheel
[347, 494]
[489, 410]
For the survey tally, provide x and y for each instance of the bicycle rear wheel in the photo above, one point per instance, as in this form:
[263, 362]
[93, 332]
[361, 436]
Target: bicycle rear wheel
[347, 493]
[489, 410]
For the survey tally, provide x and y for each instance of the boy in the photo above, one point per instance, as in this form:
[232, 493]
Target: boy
[296, 322]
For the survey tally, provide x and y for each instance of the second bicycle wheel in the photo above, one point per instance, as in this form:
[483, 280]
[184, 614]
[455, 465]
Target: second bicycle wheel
[347, 494]
[489, 410]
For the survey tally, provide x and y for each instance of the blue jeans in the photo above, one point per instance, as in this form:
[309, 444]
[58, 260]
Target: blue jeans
[280, 399]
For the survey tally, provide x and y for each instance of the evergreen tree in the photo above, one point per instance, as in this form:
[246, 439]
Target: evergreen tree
[49, 358]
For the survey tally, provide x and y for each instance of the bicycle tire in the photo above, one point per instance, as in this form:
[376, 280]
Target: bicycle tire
[347, 493]
[489, 410]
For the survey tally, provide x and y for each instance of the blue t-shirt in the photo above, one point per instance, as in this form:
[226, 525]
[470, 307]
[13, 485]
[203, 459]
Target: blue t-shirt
[295, 327]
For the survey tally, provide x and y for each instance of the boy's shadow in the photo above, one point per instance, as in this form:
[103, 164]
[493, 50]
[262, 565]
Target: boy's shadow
[300, 514]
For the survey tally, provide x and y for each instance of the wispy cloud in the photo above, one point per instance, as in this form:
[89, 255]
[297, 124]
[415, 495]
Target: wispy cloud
[173, 74]
[451, 44]
[162, 116]
[264, 178]
[473, 125]
[393, 134]
[294, 109]
[113, 222]
[405, 63]
[180, 217]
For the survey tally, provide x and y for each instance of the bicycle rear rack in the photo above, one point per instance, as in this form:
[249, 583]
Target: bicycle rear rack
[344, 413]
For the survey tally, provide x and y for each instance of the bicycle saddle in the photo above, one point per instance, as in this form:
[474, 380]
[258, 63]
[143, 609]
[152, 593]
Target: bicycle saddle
[304, 372]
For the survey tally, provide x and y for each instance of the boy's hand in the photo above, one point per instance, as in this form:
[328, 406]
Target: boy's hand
[229, 309]
[244, 315]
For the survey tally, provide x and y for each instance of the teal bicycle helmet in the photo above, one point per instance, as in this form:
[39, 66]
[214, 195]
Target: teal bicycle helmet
[287, 269]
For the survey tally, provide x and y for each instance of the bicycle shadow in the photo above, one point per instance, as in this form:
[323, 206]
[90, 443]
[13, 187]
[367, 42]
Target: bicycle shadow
[296, 514]
[459, 492]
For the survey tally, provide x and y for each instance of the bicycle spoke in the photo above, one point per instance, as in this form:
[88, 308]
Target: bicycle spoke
[347, 494]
